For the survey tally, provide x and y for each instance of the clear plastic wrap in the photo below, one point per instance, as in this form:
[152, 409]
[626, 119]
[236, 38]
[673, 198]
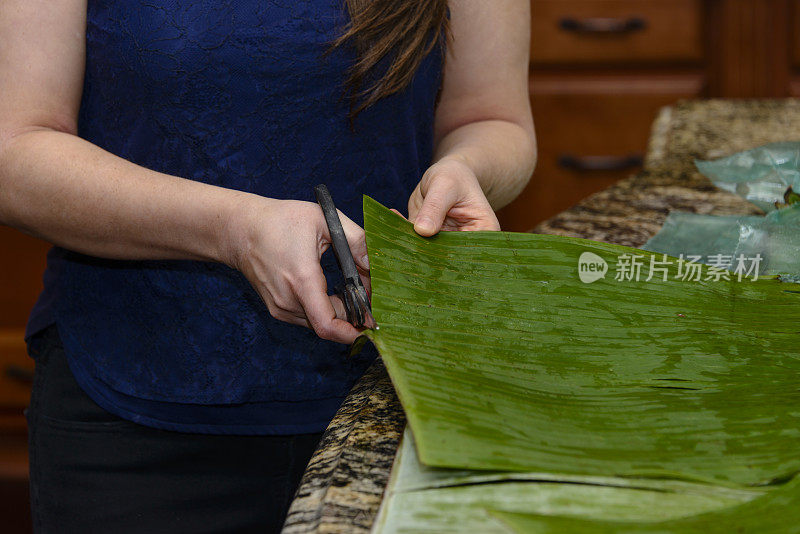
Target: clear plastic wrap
[761, 175]
[773, 241]
[767, 176]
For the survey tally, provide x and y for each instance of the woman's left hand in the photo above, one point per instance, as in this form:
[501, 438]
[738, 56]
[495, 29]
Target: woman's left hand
[449, 197]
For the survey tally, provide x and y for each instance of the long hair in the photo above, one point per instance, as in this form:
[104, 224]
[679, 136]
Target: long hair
[405, 31]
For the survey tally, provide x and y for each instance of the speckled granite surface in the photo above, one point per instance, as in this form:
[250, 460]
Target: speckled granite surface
[342, 487]
[343, 484]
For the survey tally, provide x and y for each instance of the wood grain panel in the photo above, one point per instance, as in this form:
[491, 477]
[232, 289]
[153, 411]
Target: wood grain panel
[749, 51]
[794, 33]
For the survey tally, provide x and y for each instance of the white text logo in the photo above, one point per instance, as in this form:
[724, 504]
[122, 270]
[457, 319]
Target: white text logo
[591, 267]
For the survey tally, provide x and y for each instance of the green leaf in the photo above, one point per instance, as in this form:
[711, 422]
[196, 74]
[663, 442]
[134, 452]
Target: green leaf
[777, 511]
[426, 499]
[505, 360]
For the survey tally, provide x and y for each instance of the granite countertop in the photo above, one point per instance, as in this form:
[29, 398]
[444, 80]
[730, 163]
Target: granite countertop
[342, 488]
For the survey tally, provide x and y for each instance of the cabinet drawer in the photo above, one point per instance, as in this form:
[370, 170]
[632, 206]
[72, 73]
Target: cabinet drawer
[591, 132]
[615, 31]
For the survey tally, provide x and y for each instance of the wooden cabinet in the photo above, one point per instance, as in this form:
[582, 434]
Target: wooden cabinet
[22, 262]
[590, 133]
[794, 48]
[601, 69]
[16, 371]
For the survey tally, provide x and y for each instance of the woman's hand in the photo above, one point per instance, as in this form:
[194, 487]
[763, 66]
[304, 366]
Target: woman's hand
[277, 245]
[449, 197]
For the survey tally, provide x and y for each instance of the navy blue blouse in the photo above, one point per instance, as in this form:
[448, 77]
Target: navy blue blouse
[234, 93]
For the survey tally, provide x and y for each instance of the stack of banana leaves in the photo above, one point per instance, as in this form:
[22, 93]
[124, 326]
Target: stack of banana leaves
[554, 384]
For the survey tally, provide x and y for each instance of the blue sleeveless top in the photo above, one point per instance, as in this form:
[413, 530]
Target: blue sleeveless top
[235, 94]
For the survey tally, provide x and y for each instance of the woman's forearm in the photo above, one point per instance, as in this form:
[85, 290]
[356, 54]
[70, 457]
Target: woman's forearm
[63, 189]
[502, 155]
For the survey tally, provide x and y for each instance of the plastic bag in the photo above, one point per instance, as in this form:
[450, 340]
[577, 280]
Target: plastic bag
[772, 242]
[767, 176]
[761, 175]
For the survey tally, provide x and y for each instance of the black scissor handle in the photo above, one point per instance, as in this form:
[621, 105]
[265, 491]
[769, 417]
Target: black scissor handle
[353, 294]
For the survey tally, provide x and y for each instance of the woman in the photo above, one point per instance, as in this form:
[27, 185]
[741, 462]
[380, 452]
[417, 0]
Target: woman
[169, 151]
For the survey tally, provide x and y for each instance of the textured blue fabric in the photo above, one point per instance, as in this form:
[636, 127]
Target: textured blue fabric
[236, 94]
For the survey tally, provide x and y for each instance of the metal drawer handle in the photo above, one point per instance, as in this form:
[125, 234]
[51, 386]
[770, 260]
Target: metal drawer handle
[604, 25]
[600, 163]
[18, 373]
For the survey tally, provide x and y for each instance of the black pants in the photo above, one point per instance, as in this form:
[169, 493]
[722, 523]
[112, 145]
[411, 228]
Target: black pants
[92, 471]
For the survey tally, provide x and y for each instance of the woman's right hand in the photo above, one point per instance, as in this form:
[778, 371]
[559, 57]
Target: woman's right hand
[277, 245]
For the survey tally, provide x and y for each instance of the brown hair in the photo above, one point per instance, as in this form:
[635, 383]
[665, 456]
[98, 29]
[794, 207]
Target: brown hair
[404, 30]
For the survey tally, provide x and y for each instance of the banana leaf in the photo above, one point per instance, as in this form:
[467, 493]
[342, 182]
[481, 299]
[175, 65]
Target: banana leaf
[428, 499]
[777, 511]
[507, 357]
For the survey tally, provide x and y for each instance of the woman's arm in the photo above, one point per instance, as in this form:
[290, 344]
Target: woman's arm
[485, 141]
[61, 188]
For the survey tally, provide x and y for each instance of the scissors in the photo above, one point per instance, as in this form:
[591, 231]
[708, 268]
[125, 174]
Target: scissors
[352, 290]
